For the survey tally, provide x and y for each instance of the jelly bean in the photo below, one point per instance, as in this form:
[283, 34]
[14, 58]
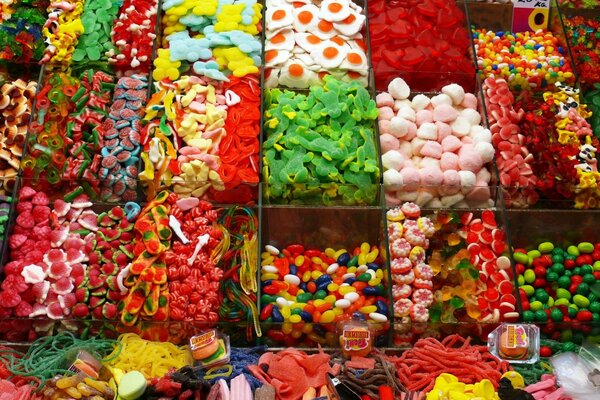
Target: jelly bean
[276, 315]
[364, 277]
[304, 297]
[306, 316]
[545, 247]
[351, 296]
[585, 247]
[521, 258]
[327, 317]
[295, 319]
[368, 309]
[316, 274]
[370, 291]
[312, 288]
[272, 250]
[320, 294]
[382, 307]
[268, 277]
[332, 268]
[266, 312]
[330, 299]
[291, 279]
[343, 259]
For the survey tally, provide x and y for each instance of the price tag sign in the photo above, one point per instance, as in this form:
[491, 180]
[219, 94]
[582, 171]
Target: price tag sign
[530, 15]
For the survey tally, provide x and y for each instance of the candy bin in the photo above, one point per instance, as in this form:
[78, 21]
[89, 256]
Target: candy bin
[581, 29]
[21, 25]
[436, 148]
[318, 267]
[74, 144]
[201, 126]
[449, 267]
[18, 86]
[543, 146]
[555, 256]
[320, 38]
[319, 146]
[431, 37]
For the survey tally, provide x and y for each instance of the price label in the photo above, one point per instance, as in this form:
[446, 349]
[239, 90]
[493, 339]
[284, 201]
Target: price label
[530, 15]
[532, 3]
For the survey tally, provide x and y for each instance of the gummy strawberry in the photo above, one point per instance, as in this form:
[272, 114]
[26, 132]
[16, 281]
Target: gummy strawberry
[9, 298]
[80, 310]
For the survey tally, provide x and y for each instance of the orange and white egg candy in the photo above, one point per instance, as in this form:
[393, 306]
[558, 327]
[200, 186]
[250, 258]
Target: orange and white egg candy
[275, 58]
[281, 40]
[307, 41]
[329, 54]
[295, 74]
[324, 30]
[272, 77]
[279, 15]
[355, 60]
[335, 10]
[351, 25]
[307, 60]
[306, 18]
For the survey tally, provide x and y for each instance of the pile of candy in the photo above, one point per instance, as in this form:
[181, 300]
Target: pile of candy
[422, 39]
[321, 144]
[525, 59]
[435, 152]
[305, 44]
[300, 286]
[555, 283]
[584, 41]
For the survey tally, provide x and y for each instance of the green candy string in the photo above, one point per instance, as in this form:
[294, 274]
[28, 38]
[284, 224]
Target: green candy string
[49, 356]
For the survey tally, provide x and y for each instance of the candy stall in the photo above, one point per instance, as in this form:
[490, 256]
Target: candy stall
[299, 200]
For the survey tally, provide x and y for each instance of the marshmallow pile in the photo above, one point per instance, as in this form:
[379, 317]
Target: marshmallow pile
[435, 151]
[308, 39]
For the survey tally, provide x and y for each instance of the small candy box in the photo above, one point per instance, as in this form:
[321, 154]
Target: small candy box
[356, 337]
[515, 343]
[210, 348]
[85, 363]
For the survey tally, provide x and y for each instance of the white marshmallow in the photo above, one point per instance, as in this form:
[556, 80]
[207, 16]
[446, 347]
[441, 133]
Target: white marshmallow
[399, 89]
[480, 134]
[399, 127]
[420, 101]
[392, 180]
[452, 200]
[456, 93]
[417, 144]
[407, 113]
[471, 115]
[460, 127]
[407, 196]
[424, 197]
[440, 99]
[427, 131]
[429, 162]
[393, 160]
[406, 149]
[467, 181]
[486, 151]
[398, 104]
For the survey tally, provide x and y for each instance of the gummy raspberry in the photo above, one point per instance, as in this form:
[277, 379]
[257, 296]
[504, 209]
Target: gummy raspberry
[9, 298]
[24, 206]
[40, 199]
[16, 241]
[26, 192]
[40, 213]
[23, 309]
[26, 220]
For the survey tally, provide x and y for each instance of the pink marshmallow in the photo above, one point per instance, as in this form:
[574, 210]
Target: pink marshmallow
[432, 149]
[391, 199]
[417, 144]
[466, 139]
[470, 161]
[424, 116]
[470, 101]
[449, 161]
[384, 126]
[388, 142]
[444, 113]
[451, 181]
[480, 193]
[386, 113]
[384, 100]
[412, 132]
[411, 178]
[431, 177]
[444, 130]
[451, 144]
